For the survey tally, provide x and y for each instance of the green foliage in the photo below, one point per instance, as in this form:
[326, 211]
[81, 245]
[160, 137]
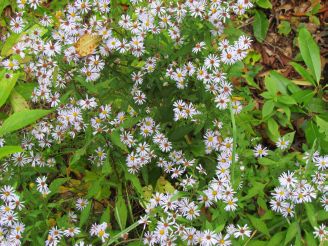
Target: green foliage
[21, 119]
[310, 52]
[260, 26]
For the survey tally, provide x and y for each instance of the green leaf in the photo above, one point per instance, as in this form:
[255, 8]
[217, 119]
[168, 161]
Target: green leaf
[310, 52]
[79, 153]
[310, 214]
[21, 119]
[10, 42]
[323, 126]
[6, 86]
[94, 188]
[18, 102]
[266, 161]
[116, 140]
[260, 26]
[277, 239]
[256, 189]
[121, 212]
[8, 150]
[264, 4]
[273, 129]
[105, 217]
[54, 186]
[303, 72]
[267, 108]
[3, 4]
[310, 239]
[291, 232]
[259, 225]
[85, 214]
[288, 100]
[284, 28]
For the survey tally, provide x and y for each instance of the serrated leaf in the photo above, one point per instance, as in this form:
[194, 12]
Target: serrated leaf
[310, 52]
[8, 150]
[21, 119]
[260, 26]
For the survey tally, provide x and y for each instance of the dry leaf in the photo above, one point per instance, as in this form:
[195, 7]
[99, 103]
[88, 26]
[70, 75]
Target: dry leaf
[87, 44]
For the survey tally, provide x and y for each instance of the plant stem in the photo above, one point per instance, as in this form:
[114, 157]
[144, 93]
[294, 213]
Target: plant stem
[234, 136]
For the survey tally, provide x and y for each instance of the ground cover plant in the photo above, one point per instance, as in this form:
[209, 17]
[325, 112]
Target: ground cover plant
[131, 122]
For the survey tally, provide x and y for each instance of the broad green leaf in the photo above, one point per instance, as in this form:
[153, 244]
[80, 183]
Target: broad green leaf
[310, 52]
[85, 214]
[291, 232]
[267, 108]
[121, 212]
[310, 213]
[323, 126]
[6, 86]
[277, 239]
[94, 188]
[288, 100]
[310, 239]
[260, 25]
[322, 215]
[21, 119]
[17, 101]
[9, 43]
[273, 129]
[8, 150]
[259, 225]
[303, 72]
[266, 4]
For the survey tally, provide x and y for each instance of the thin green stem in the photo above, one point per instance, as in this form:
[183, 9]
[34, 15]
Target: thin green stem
[118, 235]
[234, 136]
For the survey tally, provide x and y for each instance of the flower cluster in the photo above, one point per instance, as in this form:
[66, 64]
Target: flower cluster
[11, 228]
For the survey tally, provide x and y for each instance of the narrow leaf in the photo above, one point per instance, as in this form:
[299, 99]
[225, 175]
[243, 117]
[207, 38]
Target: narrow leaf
[310, 52]
[21, 119]
[8, 150]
